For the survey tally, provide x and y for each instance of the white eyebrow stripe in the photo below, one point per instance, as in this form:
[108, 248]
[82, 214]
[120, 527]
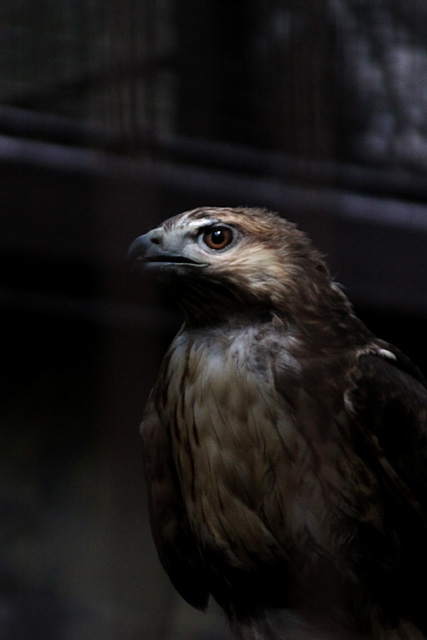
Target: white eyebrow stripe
[199, 223]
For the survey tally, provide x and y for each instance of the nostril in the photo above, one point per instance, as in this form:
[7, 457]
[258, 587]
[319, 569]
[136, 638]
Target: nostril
[155, 237]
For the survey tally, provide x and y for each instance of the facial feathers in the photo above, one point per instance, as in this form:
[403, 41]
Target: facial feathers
[268, 262]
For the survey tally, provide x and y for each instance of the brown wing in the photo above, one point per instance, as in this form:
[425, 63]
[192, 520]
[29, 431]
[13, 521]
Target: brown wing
[390, 401]
[390, 409]
[175, 543]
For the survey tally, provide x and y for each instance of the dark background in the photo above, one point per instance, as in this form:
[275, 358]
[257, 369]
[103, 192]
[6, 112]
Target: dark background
[113, 116]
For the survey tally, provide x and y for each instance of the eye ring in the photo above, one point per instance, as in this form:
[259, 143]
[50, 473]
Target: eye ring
[218, 237]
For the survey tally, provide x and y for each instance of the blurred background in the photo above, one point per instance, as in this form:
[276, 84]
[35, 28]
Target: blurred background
[113, 116]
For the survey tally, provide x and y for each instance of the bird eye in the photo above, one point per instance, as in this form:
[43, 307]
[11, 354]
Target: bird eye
[218, 237]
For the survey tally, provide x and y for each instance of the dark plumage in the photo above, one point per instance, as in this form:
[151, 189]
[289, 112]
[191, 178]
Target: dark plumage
[284, 444]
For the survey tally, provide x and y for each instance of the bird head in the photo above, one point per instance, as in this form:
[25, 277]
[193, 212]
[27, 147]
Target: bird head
[218, 259]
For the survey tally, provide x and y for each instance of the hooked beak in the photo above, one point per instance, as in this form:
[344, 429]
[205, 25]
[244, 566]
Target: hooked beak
[147, 251]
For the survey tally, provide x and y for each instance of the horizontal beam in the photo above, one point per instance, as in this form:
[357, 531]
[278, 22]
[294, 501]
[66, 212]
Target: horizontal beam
[76, 204]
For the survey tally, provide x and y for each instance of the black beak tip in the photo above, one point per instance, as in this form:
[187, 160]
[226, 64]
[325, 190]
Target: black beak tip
[136, 251]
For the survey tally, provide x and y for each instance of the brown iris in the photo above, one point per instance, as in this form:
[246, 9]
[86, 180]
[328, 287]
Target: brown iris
[218, 237]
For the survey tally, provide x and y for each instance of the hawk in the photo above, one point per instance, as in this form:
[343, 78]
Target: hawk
[284, 444]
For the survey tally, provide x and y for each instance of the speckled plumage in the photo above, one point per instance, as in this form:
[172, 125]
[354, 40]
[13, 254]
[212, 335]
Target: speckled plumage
[284, 444]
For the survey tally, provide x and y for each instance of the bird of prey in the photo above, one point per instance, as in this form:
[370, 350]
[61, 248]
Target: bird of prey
[284, 444]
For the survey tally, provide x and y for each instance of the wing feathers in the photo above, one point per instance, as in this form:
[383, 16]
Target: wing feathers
[391, 409]
[174, 540]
